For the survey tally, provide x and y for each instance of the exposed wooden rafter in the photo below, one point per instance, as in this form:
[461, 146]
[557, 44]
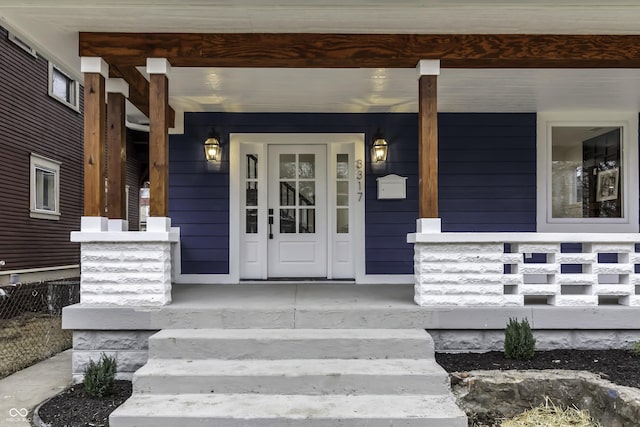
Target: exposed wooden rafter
[138, 89]
[312, 50]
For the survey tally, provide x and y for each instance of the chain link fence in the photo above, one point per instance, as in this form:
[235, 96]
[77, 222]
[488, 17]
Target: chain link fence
[31, 322]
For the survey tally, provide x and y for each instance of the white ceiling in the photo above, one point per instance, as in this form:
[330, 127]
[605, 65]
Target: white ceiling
[52, 26]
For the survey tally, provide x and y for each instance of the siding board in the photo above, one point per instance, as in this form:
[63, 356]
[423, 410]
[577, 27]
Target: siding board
[486, 174]
[32, 121]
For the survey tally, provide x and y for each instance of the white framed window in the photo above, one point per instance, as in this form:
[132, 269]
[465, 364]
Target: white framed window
[587, 172]
[63, 88]
[45, 188]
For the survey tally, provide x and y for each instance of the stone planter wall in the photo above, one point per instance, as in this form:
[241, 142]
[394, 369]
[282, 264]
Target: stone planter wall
[512, 392]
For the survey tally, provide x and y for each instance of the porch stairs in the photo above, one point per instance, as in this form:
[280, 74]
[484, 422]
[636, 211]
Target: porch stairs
[290, 377]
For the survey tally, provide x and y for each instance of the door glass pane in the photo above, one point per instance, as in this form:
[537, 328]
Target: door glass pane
[307, 166]
[252, 193]
[342, 170]
[252, 221]
[342, 220]
[342, 194]
[287, 193]
[307, 193]
[287, 165]
[252, 166]
[586, 172]
[307, 220]
[287, 221]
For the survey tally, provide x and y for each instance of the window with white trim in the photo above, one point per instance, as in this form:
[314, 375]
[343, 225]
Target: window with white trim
[45, 188]
[63, 88]
[587, 173]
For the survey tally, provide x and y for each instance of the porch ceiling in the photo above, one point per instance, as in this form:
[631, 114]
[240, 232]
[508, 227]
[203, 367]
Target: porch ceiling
[53, 27]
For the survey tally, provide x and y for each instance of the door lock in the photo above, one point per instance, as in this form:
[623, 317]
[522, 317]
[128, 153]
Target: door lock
[270, 223]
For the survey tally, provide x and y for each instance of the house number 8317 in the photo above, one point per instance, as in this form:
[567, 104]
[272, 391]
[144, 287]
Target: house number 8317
[359, 176]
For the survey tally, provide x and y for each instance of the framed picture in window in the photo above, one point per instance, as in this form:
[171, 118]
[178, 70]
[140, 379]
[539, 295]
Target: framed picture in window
[607, 188]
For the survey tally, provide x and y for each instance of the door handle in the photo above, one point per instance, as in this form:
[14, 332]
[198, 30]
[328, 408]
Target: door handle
[270, 223]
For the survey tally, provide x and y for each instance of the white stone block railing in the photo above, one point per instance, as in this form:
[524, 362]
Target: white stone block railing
[516, 269]
[125, 268]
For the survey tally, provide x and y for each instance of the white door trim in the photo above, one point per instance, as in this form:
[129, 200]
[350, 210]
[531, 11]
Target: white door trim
[235, 142]
[234, 213]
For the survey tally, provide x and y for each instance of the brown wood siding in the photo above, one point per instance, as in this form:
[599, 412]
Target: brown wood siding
[31, 121]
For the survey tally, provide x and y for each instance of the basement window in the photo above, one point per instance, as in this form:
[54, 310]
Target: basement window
[45, 188]
[63, 88]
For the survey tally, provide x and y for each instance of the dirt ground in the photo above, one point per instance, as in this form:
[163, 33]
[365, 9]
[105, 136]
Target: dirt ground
[30, 338]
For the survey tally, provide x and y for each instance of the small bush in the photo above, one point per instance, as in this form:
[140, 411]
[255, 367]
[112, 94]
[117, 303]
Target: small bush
[635, 348]
[99, 377]
[519, 343]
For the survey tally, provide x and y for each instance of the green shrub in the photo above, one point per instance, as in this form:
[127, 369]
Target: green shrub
[99, 377]
[635, 348]
[519, 343]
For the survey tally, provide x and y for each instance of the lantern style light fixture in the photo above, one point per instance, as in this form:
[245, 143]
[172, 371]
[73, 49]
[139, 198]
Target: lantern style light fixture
[212, 148]
[379, 148]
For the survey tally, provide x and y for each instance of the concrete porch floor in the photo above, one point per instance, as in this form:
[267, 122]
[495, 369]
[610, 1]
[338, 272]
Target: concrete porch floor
[331, 305]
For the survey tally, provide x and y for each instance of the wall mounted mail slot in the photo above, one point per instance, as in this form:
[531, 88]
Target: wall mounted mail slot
[392, 187]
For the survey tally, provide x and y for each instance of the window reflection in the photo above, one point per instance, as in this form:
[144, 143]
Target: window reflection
[586, 172]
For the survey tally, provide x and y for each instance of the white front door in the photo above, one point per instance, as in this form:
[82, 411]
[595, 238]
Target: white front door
[311, 188]
[297, 211]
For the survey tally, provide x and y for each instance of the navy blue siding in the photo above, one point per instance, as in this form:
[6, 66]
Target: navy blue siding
[487, 172]
[487, 179]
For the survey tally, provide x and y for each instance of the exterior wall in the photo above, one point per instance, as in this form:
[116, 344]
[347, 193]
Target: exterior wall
[487, 172]
[487, 179]
[32, 121]
[130, 349]
[447, 340]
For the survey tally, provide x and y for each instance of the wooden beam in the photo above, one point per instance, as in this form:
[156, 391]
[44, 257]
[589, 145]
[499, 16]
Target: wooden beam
[94, 144]
[428, 147]
[308, 50]
[117, 156]
[158, 146]
[138, 89]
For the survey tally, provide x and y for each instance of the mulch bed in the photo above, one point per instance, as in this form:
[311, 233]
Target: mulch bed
[74, 408]
[618, 366]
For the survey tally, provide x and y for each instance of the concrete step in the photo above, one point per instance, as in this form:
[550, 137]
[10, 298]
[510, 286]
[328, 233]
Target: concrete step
[274, 344]
[248, 410]
[293, 376]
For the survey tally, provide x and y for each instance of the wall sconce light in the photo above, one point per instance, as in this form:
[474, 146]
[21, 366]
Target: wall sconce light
[212, 148]
[379, 148]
